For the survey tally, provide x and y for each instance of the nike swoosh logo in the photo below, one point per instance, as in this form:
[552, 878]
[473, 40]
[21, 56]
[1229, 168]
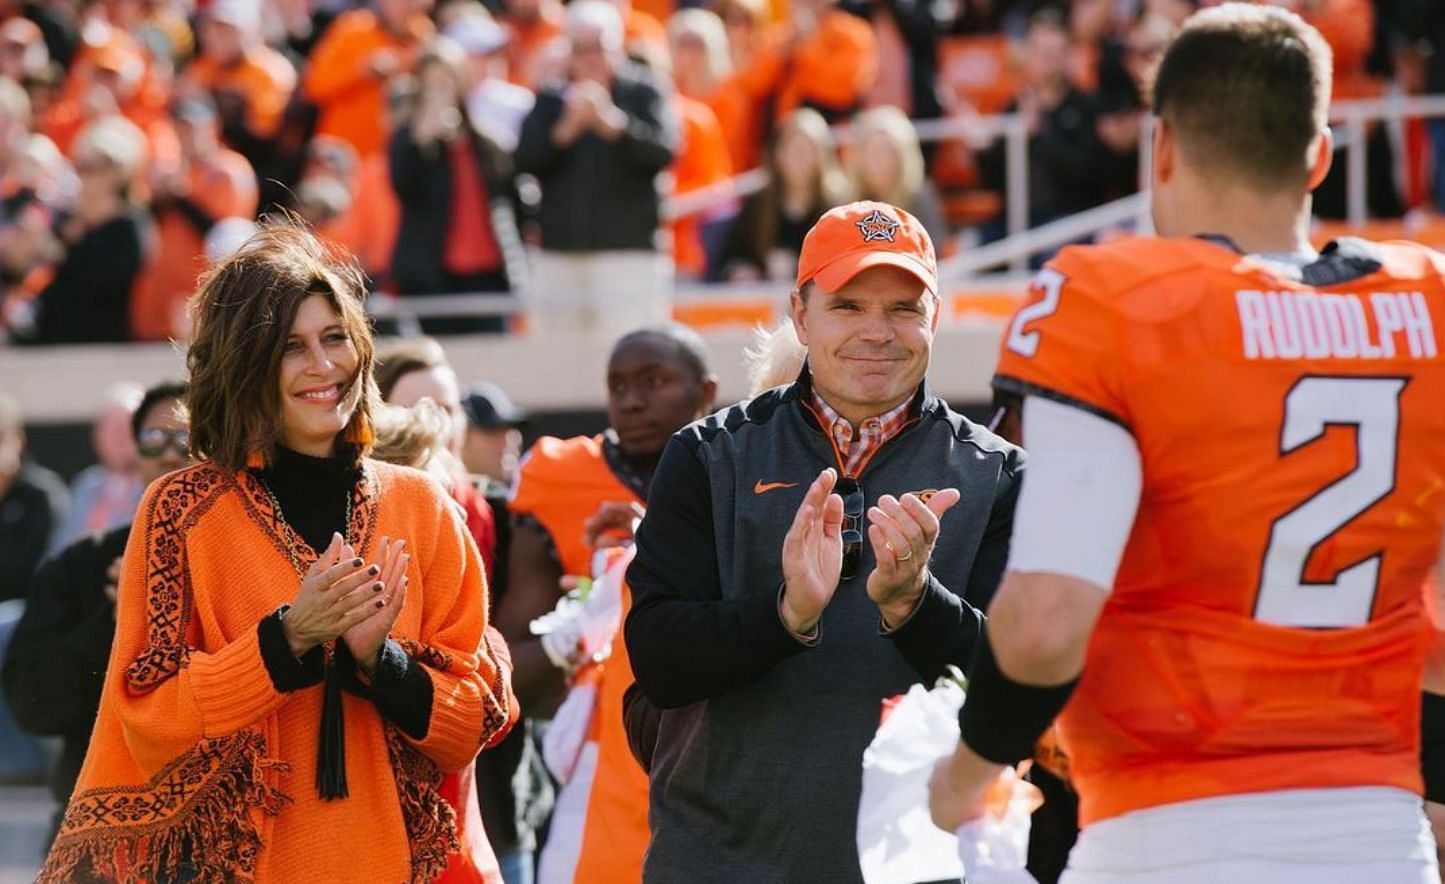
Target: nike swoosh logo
[764, 487]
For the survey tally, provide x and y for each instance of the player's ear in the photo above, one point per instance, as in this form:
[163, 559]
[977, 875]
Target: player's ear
[1322, 156]
[1164, 151]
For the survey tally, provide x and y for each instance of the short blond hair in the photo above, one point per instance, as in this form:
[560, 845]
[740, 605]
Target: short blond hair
[411, 436]
[708, 29]
[114, 139]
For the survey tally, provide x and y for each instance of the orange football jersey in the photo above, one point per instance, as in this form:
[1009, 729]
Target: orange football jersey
[560, 484]
[1266, 629]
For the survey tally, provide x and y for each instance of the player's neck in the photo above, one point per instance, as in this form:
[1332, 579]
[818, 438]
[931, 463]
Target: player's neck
[1256, 223]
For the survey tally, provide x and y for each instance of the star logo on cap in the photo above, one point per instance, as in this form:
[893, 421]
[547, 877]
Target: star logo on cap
[878, 227]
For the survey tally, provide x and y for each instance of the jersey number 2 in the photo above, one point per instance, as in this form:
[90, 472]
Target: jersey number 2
[1372, 407]
[1025, 343]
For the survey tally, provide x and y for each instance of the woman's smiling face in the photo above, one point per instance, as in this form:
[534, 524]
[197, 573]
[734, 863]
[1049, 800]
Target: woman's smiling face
[318, 370]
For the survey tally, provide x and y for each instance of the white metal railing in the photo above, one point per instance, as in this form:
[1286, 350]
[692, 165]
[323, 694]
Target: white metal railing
[1351, 120]
[1011, 127]
[405, 310]
[1044, 238]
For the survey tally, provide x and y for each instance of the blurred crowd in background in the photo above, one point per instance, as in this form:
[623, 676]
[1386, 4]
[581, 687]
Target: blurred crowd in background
[584, 157]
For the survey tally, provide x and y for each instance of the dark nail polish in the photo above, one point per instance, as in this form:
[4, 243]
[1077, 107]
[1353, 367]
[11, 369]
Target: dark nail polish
[380, 603]
[373, 570]
[356, 563]
[377, 587]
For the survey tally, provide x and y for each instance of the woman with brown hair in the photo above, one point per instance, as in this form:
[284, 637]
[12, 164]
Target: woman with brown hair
[299, 650]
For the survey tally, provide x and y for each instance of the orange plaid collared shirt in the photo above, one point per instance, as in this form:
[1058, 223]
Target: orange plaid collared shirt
[855, 446]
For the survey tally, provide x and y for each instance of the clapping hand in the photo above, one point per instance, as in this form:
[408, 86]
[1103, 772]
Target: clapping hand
[338, 592]
[903, 533]
[813, 555]
[365, 638]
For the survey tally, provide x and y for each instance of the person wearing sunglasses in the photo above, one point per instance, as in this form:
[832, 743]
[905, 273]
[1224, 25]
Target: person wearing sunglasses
[55, 664]
[806, 555]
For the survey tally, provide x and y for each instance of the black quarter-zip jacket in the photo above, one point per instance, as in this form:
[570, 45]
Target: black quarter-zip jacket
[757, 769]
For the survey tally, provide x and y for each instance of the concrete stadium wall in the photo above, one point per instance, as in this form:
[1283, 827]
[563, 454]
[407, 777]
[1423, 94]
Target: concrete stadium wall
[558, 378]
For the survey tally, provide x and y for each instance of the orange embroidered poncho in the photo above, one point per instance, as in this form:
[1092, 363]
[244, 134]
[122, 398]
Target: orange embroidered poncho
[199, 758]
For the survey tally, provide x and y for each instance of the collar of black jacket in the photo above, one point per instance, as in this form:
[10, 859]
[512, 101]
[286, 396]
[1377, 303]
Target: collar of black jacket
[800, 392]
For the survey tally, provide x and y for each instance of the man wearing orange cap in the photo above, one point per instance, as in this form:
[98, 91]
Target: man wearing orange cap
[770, 660]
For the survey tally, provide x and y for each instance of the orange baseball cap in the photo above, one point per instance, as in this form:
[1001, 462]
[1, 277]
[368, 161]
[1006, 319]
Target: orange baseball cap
[849, 239]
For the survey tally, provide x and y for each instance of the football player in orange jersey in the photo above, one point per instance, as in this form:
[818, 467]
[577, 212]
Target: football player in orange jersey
[1237, 458]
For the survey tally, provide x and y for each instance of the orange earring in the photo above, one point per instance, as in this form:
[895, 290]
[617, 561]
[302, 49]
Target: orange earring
[256, 459]
[359, 431]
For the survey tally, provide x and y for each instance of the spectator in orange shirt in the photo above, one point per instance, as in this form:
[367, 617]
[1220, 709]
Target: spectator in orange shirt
[347, 74]
[743, 100]
[212, 182]
[250, 82]
[833, 61]
[704, 68]
[699, 52]
[363, 216]
[111, 29]
[643, 36]
[112, 79]
[702, 161]
[534, 25]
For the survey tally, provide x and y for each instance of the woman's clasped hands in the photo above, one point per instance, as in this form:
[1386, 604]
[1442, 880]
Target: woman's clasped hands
[342, 596]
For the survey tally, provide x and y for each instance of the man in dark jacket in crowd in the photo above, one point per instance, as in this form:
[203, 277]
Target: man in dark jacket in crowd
[1064, 151]
[55, 664]
[597, 143]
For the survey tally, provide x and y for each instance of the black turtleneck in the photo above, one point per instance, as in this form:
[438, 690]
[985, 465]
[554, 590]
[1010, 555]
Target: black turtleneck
[313, 493]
